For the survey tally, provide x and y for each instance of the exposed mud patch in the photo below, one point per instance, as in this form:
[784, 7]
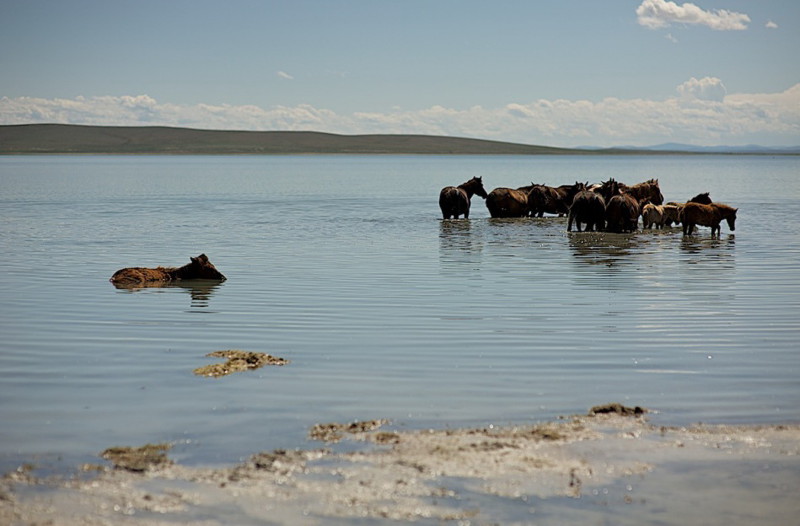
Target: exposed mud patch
[607, 468]
[333, 432]
[138, 459]
[237, 361]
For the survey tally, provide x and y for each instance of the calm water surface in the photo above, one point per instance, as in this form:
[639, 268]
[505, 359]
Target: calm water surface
[343, 266]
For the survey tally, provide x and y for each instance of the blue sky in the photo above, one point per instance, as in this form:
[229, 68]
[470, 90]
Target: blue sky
[561, 73]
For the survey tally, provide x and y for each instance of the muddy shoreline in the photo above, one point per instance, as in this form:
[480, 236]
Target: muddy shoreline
[611, 466]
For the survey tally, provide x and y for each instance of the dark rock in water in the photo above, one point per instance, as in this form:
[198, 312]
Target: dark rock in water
[618, 409]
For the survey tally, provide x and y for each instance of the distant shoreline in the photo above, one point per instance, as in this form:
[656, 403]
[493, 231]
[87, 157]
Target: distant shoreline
[70, 139]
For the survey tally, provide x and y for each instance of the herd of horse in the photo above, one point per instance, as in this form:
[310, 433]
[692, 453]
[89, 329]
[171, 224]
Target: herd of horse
[610, 206]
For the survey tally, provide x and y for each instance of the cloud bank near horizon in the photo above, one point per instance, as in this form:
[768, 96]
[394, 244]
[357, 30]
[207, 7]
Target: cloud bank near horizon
[702, 113]
[656, 14]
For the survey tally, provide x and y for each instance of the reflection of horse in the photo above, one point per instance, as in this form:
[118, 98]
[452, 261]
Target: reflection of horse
[553, 200]
[200, 290]
[509, 202]
[708, 215]
[199, 268]
[588, 207]
[598, 250]
[455, 200]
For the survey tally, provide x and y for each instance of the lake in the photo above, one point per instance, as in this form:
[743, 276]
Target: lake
[343, 265]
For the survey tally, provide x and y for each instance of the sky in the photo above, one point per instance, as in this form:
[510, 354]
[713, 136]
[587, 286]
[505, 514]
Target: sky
[558, 73]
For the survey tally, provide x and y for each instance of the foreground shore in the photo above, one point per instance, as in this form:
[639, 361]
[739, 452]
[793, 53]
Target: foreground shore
[604, 468]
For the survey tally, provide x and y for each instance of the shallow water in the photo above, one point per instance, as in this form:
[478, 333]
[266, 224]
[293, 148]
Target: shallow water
[343, 266]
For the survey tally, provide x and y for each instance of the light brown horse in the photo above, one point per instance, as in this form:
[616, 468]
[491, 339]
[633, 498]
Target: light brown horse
[708, 215]
[646, 191]
[455, 200]
[509, 202]
[199, 268]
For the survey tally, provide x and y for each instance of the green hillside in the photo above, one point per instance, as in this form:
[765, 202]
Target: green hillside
[62, 138]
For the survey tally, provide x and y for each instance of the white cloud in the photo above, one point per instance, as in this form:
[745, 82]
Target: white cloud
[284, 75]
[707, 88]
[771, 25]
[655, 14]
[702, 112]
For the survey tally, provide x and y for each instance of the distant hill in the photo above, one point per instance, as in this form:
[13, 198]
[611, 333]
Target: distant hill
[70, 138]
[690, 148]
[64, 138]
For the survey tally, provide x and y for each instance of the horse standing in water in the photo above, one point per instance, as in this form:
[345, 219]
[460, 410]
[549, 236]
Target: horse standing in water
[553, 200]
[703, 198]
[646, 191]
[590, 208]
[509, 202]
[708, 215]
[641, 192]
[455, 200]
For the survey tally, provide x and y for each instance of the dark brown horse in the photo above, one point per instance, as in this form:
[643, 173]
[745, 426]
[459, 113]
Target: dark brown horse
[587, 207]
[553, 200]
[622, 213]
[509, 202]
[642, 192]
[708, 215]
[455, 200]
[199, 268]
[703, 198]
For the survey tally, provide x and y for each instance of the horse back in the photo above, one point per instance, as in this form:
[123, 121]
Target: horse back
[701, 214]
[142, 275]
[507, 202]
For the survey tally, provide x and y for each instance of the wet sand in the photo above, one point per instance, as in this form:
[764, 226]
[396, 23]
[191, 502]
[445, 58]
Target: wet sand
[605, 468]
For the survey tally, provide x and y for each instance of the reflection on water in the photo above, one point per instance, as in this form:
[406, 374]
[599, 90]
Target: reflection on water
[602, 249]
[199, 290]
[459, 245]
[385, 311]
[695, 248]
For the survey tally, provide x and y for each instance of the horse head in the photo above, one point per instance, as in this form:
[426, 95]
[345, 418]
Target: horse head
[475, 186]
[703, 199]
[730, 217]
